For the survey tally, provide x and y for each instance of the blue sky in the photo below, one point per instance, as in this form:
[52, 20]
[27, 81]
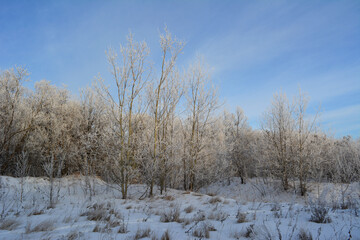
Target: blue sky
[254, 48]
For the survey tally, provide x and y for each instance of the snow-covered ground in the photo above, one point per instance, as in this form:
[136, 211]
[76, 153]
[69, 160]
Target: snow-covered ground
[224, 210]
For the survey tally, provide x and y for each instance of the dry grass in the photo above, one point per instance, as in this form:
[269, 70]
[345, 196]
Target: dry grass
[44, 226]
[36, 212]
[67, 219]
[96, 213]
[218, 215]
[304, 235]
[97, 228]
[236, 235]
[142, 233]
[123, 226]
[197, 194]
[172, 215]
[199, 216]
[189, 209]
[203, 230]
[74, 235]
[240, 217]
[319, 214]
[9, 224]
[249, 232]
[214, 200]
[169, 198]
[166, 235]
[211, 194]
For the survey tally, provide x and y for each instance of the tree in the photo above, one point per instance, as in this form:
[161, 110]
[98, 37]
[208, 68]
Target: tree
[14, 126]
[130, 74]
[239, 142]
[202, 101]
[278, 126]
[162, 101]
[91, 141]
[304, 151]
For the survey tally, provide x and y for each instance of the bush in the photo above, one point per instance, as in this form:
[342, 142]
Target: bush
[96, 213]
[172, 215]
[201, 231]
[319, 213]
[249, 232]
[218, 215]
[304, 235]
[142, 233]
[123, 226]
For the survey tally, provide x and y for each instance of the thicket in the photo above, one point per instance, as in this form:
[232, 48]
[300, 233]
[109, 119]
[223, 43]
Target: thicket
[161, 127]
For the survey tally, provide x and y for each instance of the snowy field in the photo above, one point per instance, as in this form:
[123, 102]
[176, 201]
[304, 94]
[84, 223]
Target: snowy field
[225, 210]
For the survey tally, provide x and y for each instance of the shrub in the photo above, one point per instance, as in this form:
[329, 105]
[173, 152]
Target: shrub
[172, 215]
[199, 216]
[123, 225]
[304, 235]
[218, 215]
[249, 232]
[236, 235]
[142, 233]
[202, 229]
[319, 214]
[275, 207]
[96, 213]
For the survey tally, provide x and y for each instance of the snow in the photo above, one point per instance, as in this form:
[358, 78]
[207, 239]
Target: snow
[269, 212]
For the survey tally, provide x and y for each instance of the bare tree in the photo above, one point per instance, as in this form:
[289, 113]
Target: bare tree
[159, 97]
[53, 171]
[22, 170]
[278, 126]
[202, 101]
[13, 126]
[304, 151]
[130, 74]
[91, 139]
[239, 141]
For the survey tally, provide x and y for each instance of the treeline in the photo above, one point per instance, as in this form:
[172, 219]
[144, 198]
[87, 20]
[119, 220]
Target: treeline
[161, 127]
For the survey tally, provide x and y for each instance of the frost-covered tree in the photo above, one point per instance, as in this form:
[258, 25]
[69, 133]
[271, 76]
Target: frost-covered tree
[130, 72]
[240, 143]
[15, 124]
[202, 101]
[163, 98]
[278, 126]
[304, 149]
